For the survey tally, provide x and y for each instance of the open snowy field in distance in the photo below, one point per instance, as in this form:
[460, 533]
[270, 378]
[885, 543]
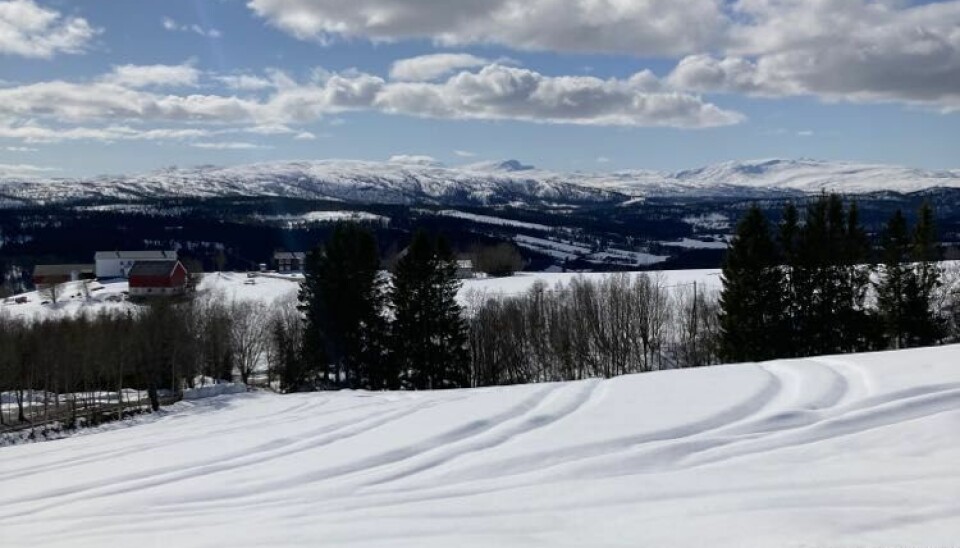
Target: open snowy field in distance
[235, 285]
[857, 450]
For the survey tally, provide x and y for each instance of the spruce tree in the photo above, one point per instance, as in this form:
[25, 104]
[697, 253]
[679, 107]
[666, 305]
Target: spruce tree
[894, 281]
[857, 333]
[789, 342]
[925, 325]
[751, 300]
[811, 279]
[343, 297]
[428, 332]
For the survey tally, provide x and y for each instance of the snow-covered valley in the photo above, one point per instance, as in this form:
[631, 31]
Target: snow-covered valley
[856, 450]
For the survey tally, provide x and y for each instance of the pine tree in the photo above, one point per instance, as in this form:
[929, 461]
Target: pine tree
[895, 278]
[452, 327]
[428, 332]
[789, 342]
[811, 280]
[925, 326]
[857, 333]
[343, 298]
[751, 300]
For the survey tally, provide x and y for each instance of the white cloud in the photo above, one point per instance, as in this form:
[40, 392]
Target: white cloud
[465, 153]
[24, 170]
[244, 82]
[29, 30]
[21, 149]
[507, 93]
[805, 133]
[430, 67]
[649, 27]
[271, 129]
[837, 50]
[852, 50]
[603, 160]
[109, 101]
[174, 26]
[305, 136]
[122, 104]
[140, 76]
[231, 145]
[35, 133]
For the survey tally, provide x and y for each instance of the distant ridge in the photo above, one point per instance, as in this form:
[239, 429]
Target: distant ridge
[488, 183]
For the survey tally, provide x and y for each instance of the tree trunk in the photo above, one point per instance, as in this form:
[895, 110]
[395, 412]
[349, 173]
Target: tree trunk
[154, 397]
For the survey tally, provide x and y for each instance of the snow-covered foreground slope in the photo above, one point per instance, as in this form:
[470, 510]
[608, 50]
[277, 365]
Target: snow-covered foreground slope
[836, 451]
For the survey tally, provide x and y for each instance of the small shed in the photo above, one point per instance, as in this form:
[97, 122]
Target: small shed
[289, 261]
[49, 274]
[465, 269]
[158, 278]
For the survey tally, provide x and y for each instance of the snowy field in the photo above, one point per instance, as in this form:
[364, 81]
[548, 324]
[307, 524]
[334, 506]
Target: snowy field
[235, 285]
[835, 451]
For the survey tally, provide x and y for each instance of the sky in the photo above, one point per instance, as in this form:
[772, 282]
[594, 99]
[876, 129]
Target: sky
[91, 87]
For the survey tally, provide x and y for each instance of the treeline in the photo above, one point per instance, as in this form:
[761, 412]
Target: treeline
[67, 368]
[621, 324]
[818, 285]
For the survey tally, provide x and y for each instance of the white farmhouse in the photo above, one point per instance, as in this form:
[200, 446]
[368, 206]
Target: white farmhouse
[117, 264]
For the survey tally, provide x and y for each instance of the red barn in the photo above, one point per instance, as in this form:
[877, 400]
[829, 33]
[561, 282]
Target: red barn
[158, 278]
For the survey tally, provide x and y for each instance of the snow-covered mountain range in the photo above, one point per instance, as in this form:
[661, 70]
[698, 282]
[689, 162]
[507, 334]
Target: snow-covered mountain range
[486, 183]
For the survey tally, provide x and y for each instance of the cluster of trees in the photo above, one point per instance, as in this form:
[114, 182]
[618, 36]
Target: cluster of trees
[819, 286]
[620, 324]
[361, 331]
[157, 349]
[502, 259]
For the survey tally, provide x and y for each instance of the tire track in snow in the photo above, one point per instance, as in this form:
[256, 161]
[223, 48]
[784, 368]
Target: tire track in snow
[398, 455]
[527, 416]
[546, 413]
[343, 430]
[538, 462]
[389, 459]
[768, 432]
[873, 413]
[337, 432]
[108, 451]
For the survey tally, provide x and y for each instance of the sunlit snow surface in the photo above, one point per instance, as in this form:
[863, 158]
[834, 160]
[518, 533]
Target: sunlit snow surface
[837, 451]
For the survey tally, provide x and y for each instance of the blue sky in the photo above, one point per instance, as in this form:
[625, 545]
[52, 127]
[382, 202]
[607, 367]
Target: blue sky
[90, 87]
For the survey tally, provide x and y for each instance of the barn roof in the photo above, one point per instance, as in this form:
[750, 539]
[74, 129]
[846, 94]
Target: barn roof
[153, 268]
[144, 255]
[280, 255]
[62, 269]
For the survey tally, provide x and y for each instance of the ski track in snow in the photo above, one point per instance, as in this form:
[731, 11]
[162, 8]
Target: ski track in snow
[841, 451]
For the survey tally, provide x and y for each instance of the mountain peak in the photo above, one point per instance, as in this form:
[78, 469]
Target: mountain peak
[505, 166]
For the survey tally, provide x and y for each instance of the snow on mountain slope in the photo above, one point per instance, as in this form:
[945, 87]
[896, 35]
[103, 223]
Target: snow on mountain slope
[857, 450]
[344, 180]
[816, 176]
[776, 176]
[484, 183]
